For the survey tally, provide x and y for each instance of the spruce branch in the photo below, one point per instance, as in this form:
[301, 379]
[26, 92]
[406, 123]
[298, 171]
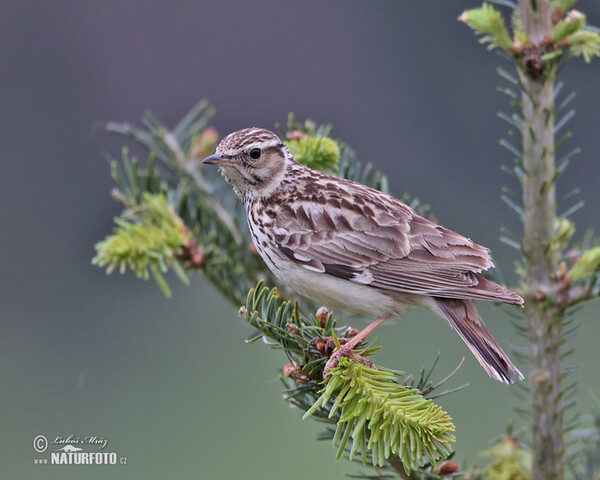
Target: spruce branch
[538, 45]
[545, 34]
[376, 416]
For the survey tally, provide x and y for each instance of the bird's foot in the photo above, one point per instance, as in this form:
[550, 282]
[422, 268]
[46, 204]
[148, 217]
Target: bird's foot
[344, 351]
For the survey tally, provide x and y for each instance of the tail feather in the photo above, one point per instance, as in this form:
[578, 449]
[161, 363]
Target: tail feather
[463, 317]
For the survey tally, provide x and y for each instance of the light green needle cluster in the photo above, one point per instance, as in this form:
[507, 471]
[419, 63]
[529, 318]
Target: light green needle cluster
[146, 239]
[509, 461]
[586, 43]
[586, 265]
[317, 152]
[383, 417]
[488, 21]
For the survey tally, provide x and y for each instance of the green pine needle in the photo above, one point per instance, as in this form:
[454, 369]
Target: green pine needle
[384, 417]
[517, 26]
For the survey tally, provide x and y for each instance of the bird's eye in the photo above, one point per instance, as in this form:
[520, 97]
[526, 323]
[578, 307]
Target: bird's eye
[255, 153]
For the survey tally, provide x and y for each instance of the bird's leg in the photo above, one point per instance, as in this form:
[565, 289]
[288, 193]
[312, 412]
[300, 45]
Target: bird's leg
[346, 349]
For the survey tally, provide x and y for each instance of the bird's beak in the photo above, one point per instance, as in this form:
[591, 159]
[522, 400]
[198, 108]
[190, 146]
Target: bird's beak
[218, 159]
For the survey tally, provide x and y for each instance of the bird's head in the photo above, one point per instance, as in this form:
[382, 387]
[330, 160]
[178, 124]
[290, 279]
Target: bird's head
[252, 160]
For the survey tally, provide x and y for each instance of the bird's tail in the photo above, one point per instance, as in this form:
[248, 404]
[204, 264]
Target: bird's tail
[462, 315]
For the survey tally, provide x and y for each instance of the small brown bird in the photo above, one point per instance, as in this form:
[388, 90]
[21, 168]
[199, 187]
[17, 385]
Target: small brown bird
[349, 246]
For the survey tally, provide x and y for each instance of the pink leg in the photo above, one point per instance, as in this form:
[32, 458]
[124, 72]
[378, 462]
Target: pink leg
[346, 349]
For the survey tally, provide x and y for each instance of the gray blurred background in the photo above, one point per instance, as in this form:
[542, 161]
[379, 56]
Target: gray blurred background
[171, 383]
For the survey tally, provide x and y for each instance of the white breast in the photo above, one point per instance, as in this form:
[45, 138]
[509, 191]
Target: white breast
[335, 292]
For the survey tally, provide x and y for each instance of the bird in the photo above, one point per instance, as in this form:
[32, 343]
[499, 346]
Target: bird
[348, 246]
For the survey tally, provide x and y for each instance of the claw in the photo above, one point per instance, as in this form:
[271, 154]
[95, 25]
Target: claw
[345, 351]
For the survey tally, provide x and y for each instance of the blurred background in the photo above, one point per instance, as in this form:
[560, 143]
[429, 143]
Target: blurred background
[170, 383]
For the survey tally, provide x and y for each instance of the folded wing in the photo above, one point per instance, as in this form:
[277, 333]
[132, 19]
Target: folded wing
[373, 239]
